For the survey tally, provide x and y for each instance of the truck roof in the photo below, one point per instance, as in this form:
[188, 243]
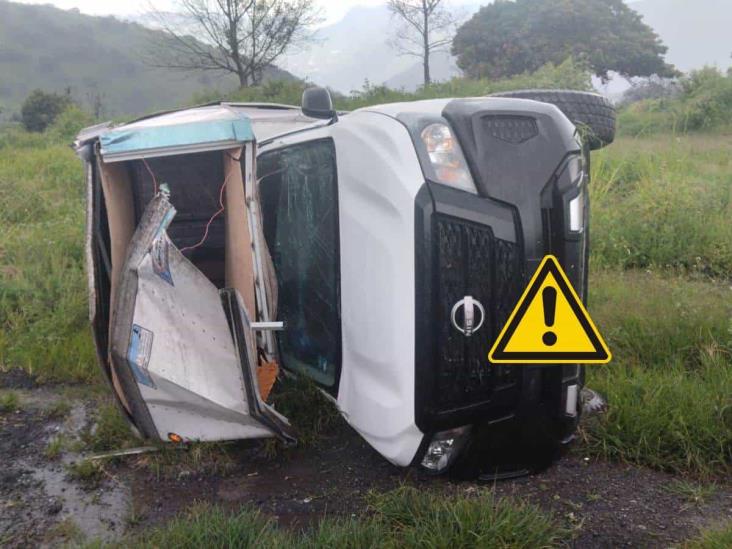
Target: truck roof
[267, 120]
[272, 119]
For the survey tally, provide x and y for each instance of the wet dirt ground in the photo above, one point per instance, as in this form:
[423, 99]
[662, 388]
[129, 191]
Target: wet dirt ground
[42, 504]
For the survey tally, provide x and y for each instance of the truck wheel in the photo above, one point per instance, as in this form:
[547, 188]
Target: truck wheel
[592, 113]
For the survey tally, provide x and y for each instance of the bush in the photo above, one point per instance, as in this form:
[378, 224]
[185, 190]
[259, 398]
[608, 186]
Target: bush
[708, 98]
[69, 123]
[567, 75]
[652, 88]
[703, 102]
[40, 109]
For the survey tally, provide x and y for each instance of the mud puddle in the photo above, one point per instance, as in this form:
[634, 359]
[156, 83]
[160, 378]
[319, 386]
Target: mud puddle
[41, 503]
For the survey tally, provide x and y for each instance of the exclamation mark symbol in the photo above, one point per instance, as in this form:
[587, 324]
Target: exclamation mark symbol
[549, 297]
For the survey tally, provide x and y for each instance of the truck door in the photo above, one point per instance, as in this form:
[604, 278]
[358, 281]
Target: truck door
[300, 194]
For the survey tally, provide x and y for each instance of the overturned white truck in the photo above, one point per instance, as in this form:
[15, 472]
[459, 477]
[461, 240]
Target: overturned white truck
[377, 252]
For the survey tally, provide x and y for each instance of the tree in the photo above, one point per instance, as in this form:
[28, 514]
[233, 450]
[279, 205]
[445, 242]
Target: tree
[242, 37]
[425, 27]
[508, 38]
[40, 109]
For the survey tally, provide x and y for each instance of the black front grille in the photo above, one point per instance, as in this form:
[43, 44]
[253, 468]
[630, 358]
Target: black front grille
[470, 261]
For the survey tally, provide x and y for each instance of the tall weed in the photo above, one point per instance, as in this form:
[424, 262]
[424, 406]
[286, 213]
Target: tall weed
[664, 202]
[669, 385]
[43, 303]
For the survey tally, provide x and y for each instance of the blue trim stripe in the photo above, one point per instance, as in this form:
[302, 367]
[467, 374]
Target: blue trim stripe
[163, 137]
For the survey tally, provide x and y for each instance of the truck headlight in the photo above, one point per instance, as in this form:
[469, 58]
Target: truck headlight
[444, 448]
[447, 157]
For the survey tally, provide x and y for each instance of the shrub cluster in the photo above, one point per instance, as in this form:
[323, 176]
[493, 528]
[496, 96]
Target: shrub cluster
[702, 100]
[567, 75]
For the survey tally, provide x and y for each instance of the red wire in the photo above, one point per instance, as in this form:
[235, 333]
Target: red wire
[214, 216]
[155, 181]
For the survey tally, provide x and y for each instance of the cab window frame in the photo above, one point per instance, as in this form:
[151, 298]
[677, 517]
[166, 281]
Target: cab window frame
[275, 154]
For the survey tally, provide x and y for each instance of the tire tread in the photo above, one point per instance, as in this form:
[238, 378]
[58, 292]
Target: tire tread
[585, 109]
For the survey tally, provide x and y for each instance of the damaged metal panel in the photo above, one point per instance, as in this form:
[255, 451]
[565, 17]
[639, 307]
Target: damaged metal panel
[172, 346]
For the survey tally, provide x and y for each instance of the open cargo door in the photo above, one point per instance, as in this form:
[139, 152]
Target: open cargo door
[173, 332]
[182, 349]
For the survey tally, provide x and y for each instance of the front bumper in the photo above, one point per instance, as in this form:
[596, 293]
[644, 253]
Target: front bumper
[487, 247]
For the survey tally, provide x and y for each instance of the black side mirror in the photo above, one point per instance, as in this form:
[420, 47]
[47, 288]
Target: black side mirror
[316, 103]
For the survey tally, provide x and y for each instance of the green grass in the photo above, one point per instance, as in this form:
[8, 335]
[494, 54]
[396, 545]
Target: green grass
[198, 458]
[661, 294]
[719, 537]
[87, 471]
[664, 202]
[9, 402]
[309, 411]
[58, 409]
[65, 533]
[693, 492]
[110, 431]
[43, 309]
[405, 517]
[670, 384]
[54, 448]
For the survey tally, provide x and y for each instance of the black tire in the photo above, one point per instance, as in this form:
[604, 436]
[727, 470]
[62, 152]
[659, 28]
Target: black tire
[592, 113]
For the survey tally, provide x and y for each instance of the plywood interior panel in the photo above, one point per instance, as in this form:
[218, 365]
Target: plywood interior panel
[239, 258]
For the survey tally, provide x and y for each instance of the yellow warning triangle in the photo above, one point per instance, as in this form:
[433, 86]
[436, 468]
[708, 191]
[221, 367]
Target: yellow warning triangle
[549, 325]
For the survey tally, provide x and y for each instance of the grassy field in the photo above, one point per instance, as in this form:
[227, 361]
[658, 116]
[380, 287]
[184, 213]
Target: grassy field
[43, 308]
[404, 517]
[661, 293]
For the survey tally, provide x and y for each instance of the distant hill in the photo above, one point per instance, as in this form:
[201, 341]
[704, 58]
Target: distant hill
[349, 52]
[52, 49]
[442, 67]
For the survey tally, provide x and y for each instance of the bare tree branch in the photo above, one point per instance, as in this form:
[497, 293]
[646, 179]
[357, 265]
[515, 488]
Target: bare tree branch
[425, 26]
[243, 37]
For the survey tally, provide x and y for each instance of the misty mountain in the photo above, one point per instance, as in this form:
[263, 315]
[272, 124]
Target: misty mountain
[356, 49]
[93, 57]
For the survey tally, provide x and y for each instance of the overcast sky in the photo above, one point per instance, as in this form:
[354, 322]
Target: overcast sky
[333, 10]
